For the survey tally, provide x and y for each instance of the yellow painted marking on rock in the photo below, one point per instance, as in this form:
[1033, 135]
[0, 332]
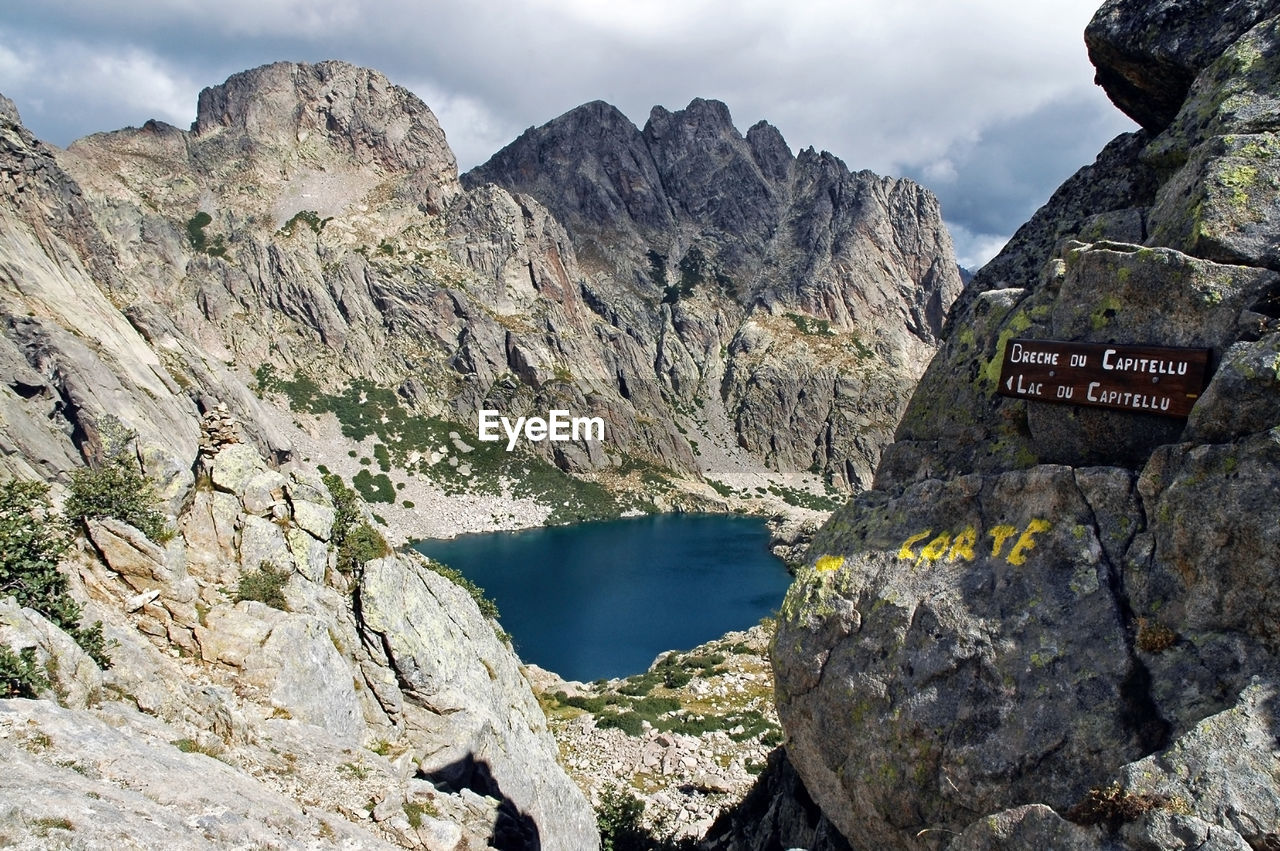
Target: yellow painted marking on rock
[962, 546]
[935, 549]
[826, 563]
[999, 535]
[1017, 556]
[906, 552]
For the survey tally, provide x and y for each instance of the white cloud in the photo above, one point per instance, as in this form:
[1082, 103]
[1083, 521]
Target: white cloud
[62, 81]
[473, 130]
[138, 81]
[941, 171]
[974, 250]
[897, 86]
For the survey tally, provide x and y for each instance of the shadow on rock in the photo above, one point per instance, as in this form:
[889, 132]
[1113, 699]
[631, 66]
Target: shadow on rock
[513, 829]
[777, 813]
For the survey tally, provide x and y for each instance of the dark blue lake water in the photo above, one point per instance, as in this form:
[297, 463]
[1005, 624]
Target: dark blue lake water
[603, 599]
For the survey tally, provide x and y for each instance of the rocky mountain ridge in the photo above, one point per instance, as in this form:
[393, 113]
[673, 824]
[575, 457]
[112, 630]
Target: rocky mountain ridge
[1052, 626]
[687, 205]
[324, 199]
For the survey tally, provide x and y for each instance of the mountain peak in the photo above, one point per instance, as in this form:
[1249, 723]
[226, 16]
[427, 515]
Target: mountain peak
[355, 109]
[705, 118]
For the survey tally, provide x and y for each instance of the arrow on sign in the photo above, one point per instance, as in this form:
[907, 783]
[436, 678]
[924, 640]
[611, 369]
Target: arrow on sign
[1009, 383]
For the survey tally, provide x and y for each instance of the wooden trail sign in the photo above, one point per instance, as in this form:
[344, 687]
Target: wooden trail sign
[1145, 379]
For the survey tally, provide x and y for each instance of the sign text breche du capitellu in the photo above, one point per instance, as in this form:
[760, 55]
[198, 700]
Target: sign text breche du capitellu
[1147, 379]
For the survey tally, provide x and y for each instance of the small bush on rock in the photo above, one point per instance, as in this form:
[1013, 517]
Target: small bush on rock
[32, 540]
[487, 607]
[1114, 805]
[355, 539]
[266, 585]
[20, 674]
[620, 820]
[117, 489]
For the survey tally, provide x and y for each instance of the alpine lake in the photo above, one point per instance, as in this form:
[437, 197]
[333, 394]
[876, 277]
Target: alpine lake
[601, 600]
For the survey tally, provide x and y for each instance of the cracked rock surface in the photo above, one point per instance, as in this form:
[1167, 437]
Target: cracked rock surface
[1054, 626]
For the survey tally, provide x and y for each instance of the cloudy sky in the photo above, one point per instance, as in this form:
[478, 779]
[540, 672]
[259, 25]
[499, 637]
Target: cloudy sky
[990, 103]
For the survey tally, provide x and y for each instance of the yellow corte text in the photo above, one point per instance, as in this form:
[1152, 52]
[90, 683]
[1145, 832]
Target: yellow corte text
[965, 545]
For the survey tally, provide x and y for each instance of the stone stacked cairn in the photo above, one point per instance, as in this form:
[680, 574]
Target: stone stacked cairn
[218, 428]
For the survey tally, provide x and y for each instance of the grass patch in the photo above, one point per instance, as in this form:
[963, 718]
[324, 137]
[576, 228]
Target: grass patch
[200, 241]
[41, 826]
[353, 770]
[366, 410]
[414, 811]
[265, 585]
[192, 746]
[811, 326]
[374, 488]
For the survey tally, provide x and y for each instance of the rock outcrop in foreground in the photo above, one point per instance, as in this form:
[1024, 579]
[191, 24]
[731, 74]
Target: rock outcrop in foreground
[372, 705]
[1052, 626]
[378, 711]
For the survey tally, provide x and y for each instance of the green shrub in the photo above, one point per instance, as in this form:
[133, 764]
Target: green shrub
[594, 704]
[20, 674]
[32, 540]
[266, 585]
[265, 378]
[362, 544]
[117, 489]
[620, 820]
[199, 240]
[704, 662]
[693, 268]
[640, 685]
[653, 706]
[628, 722]
[374, 488]
[488, 608]
[675, 678]
[309, 218]
[353, 537]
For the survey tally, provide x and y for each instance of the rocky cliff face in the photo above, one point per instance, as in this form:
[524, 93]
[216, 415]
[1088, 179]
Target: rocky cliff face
[1052, 626]
[804, 296]
[372, 709]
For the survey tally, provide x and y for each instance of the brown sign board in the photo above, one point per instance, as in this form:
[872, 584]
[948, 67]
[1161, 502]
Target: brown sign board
[1144, 379]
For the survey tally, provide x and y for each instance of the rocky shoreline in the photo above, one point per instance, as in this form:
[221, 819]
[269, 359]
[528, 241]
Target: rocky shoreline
[689, 764]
